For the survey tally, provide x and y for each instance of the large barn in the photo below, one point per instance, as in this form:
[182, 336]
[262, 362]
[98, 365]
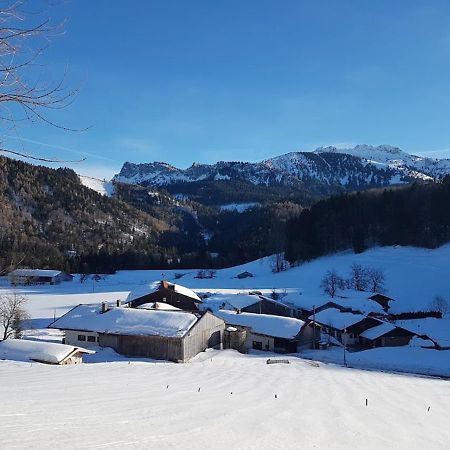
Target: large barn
[164, 292]
[38, 276]
[172, 335]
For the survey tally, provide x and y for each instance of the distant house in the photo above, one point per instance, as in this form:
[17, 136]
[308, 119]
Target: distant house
[385, 335]
[41, 351]
[343, 326]
[38, 276]
[382, 300]
[269, 333]
[243, 275]
[159, 334]
[267, 305]
[164, 292]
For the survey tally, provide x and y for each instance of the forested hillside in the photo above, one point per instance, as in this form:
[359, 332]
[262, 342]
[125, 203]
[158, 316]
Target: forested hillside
[46, 213]
[417, 215]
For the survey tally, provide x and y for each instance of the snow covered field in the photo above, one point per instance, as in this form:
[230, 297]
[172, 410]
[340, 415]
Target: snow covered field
[220, 400]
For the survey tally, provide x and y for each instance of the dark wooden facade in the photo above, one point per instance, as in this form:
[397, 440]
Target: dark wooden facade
[264, 305]
[166, 294]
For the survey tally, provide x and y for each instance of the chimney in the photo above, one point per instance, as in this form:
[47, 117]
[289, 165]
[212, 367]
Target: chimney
[104, 307]
[118, 302]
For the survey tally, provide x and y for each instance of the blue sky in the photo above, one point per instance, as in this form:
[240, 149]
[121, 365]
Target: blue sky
[201, 81]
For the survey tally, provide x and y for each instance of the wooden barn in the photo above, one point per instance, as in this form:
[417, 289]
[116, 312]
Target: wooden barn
[164, 292]
[266, 332]
[37, 276]
[172, 335]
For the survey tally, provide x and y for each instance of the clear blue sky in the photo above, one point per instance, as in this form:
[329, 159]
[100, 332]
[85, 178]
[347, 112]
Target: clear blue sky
[185, 81]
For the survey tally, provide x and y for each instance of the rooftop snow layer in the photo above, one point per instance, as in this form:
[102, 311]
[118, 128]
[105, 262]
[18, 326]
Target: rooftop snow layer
[378, 331]
[147, 289]
[159, 305]
[277, 326]
[25, 350]
[34, 273]
[334, 318]
[127, 321]
[436, 329]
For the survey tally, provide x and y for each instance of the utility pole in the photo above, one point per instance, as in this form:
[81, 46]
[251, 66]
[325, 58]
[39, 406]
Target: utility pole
[344, 341]
[314, 327]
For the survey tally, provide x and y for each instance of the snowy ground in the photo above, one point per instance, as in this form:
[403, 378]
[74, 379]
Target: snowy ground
[114, 402]
[146, 405]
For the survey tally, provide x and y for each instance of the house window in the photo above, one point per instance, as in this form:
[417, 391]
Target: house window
[91, 338]
[257, 345]
[97, 338]
[81, 337]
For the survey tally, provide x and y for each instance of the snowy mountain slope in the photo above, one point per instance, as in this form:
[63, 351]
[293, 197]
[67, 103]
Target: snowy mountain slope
[103, 187]
[350, 168]
[393, 157]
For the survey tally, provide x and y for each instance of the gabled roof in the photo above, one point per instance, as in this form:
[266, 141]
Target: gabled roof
[378, 331]
[127, 321]
[276, 326]
[41, 351]
[142, 291]
[334, 318]
[34, 273]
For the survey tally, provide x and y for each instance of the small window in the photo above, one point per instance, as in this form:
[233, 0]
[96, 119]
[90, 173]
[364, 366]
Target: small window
[97, 338]
[257, 345]
[91, 338]
[81, 337]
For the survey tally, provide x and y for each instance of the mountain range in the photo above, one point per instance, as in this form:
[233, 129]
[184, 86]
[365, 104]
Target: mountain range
[323, 171]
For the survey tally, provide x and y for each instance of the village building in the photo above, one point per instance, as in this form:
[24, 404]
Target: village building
[42, 351]
[164, 292]
[383, 300]
[37, 276]
[385, 335]
[172, 335]
[346, 327]
[266, 332]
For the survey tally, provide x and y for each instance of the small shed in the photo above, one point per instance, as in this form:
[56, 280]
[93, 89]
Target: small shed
[386, 335]
[172, 335]
[38, 276]
[42, 351]
[164, 292]
[270, 333]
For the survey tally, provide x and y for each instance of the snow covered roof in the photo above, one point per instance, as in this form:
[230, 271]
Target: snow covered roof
[334, 318]
[34, 273]
[41, 351]
[276, 326]
[159, 305]
[147, 289]
[127, 321]
[378, 331]
[436, 329]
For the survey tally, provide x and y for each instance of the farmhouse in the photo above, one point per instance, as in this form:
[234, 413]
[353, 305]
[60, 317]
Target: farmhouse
[41, 351]
[160, 334]
[344, 325]
[270, 333]
[382, 300]
[38, 276]
[164, 292]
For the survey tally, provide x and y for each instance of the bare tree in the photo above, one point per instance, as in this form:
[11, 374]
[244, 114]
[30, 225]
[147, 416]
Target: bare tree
[375, 279]
[24, 36]
[278, 262]
[13, 314]
[358, 278]
[331, 282]
[440, 304]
